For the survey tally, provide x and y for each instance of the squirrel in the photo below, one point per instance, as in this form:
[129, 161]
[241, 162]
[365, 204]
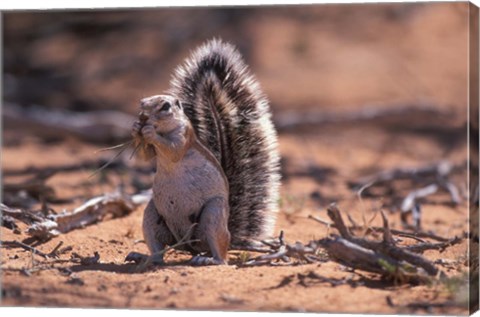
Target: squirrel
[218, 175]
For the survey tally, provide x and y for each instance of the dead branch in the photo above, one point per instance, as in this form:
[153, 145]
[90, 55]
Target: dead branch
[96, 209]
[93, 211]
[441, 246]
[409, 202]
[385, 248]
[9, 222]
[57, 251]
[20, 214]
[410, 205]
[452, 189]
[323, 222]
[282, 253]
[25, 247]
[393, 262]
[51, 255]
[416, 235]
[432, 171]
[434, 177]
[356, 256]
[387, 235]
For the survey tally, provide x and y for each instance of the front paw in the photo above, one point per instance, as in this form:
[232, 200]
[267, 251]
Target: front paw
[149, 133]
[136, 129]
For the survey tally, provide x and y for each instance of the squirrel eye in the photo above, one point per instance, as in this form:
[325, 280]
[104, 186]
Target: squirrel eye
[166, 106]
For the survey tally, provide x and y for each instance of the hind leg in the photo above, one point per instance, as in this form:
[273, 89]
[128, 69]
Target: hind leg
[156, 235]
[155, 230]
[213, 231]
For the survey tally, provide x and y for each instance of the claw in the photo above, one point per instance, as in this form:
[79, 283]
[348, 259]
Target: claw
[136, 129]
[149, 133]
[136, 257]
[205, 260]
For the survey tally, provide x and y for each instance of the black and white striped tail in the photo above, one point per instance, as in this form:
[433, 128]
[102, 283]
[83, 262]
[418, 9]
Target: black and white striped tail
[231, 116]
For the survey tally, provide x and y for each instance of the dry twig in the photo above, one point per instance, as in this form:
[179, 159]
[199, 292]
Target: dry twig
[384, 249]
[26, 247]
[434, 178]
[416, 235]
[94, 210]
[282, 253]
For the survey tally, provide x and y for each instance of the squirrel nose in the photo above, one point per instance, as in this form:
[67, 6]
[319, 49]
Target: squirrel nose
[143, 116]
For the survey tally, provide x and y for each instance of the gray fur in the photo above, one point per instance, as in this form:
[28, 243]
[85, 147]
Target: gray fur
[217, 157]
[231, 117]
[155, 230]
[190, 191]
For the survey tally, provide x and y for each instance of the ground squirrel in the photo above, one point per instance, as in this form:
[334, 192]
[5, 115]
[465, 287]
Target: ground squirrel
[216, 155]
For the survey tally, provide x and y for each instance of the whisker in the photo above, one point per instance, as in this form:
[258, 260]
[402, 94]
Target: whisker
[101, 168]
[113, 147]
[135, 150]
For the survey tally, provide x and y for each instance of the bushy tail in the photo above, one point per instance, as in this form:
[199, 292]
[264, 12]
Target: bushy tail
[231, 116]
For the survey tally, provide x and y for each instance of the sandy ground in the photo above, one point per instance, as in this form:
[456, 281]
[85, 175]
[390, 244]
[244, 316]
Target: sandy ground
[334, 59]
[112, 283]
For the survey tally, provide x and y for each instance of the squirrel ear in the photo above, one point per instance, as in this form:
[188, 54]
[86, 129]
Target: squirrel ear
[178, 104]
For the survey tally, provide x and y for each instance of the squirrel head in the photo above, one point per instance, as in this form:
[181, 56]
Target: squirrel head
[164, 112]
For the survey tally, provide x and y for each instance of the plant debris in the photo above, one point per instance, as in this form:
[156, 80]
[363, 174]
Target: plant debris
[94, 210]
[385, 257]
[432, 179]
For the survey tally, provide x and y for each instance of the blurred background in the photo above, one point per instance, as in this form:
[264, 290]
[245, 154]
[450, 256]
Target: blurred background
[356, 90]
[331, 59]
